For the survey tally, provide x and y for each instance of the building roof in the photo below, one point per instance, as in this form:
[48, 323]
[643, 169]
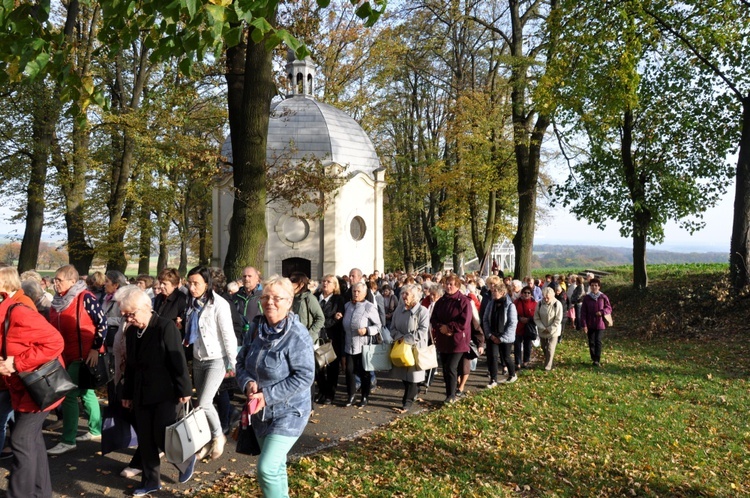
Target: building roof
[301, 127]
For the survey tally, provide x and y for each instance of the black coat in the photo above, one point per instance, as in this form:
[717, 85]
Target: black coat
[155, 370]
[172, 307]
[332, 328]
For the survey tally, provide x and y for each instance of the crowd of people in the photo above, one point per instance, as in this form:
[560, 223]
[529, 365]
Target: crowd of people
[203, 338]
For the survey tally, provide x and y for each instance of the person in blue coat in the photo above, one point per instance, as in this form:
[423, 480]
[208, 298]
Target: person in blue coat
[276, 367]
[499, 326]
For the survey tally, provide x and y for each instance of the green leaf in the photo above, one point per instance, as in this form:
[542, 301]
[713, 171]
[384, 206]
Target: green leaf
[233, 36]
[192, 8]
[217, 13]
[324, 3]
[186, 66]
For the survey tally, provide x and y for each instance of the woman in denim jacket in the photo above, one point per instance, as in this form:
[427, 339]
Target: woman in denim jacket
[276, 367]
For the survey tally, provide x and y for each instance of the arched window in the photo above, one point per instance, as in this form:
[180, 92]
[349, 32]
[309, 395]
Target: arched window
[300, 84]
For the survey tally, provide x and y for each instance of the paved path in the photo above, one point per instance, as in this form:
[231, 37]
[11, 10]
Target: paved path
[85, 472]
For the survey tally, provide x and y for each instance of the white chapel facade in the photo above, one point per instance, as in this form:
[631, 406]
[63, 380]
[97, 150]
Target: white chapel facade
[350, 234]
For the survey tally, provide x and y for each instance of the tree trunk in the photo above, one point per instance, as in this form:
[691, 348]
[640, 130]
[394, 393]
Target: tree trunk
[43, 131]
[163, 259]
[183, 267]
[739, 258]
[144, 246]
[249, 98]
[80, 253]
[636, 183]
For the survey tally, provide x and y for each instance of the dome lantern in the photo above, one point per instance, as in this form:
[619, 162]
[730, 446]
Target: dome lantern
[300, 75]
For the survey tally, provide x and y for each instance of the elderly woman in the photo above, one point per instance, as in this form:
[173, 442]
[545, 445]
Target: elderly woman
[499, 326]
[595, 305]
[410, 322]
[361, 319]
[210, 329]
[29, 341]
[548, 318]
[276, 367]
[525, 309]
[390, 303]
[576, 300]
[332, 304]
[451, 323]
[156, 380]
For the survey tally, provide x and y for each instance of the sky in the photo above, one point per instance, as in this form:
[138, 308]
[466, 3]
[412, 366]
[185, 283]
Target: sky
[715, 237]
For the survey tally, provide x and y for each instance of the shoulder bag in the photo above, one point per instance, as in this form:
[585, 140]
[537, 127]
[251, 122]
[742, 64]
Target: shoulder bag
[402, 354]
[188, 435]
[49, 382]
[324, 354]
[244, 434]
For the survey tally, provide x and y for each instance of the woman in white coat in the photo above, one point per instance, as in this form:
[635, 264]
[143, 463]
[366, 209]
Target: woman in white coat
[209, 328]
[548, 318]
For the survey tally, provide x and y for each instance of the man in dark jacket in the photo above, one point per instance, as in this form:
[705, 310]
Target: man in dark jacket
[247, 299]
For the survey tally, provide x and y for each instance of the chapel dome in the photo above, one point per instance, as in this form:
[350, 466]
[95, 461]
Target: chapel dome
[301, 128]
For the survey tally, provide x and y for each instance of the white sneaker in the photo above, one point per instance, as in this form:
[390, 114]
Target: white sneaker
[491, 385]
[88, 437]
[61, 448]
[130, 472]
[512, 379]
[217, 448]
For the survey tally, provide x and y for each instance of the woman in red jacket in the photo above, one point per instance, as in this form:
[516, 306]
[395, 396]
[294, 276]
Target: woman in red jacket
[525, 307]
[30, 342]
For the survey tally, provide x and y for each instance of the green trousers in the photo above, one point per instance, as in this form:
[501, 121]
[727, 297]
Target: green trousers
[71, 412]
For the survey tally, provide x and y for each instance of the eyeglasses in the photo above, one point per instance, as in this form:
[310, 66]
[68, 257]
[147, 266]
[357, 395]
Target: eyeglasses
[275, 299]
[128, 316]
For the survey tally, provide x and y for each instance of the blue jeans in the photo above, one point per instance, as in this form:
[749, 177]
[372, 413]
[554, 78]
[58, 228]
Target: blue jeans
[272, 475]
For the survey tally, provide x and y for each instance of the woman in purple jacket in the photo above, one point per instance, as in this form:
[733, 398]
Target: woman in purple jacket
[451, 323]
[593, 308]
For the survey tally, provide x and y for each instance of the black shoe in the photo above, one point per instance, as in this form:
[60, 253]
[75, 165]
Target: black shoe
[596, 364]
[350, 401]
[363, 402]
[328, 401]
[319, 400]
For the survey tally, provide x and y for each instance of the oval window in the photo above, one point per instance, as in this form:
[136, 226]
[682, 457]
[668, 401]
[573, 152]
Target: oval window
[358, 228]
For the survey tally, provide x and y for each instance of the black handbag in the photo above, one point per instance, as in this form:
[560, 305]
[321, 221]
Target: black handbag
[247, 441]
[95, 377]
[92, 377]
[530, 331]
[49, 382]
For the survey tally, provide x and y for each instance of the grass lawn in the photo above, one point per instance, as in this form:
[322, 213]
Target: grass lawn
[666, 415]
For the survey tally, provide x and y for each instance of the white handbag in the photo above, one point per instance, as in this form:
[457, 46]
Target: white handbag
[188, 435]
[426, 358]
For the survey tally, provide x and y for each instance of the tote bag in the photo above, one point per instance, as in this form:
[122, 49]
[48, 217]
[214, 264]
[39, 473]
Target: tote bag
[325, 355]
[425, 358]
[188, 435]
[376, 357]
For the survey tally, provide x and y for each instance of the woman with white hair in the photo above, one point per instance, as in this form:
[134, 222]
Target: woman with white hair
[548, 318]
[361, 319]
[410, 322]
[156, 381]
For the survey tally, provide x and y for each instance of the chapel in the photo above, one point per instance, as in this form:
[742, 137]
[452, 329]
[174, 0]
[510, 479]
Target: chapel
[350, 234]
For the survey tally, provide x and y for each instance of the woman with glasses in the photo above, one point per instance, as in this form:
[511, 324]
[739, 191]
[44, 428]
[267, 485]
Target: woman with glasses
[156, 380]
[525, 308]
[332, 304]
[276, 367]
[411, 322]
[210, 330]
